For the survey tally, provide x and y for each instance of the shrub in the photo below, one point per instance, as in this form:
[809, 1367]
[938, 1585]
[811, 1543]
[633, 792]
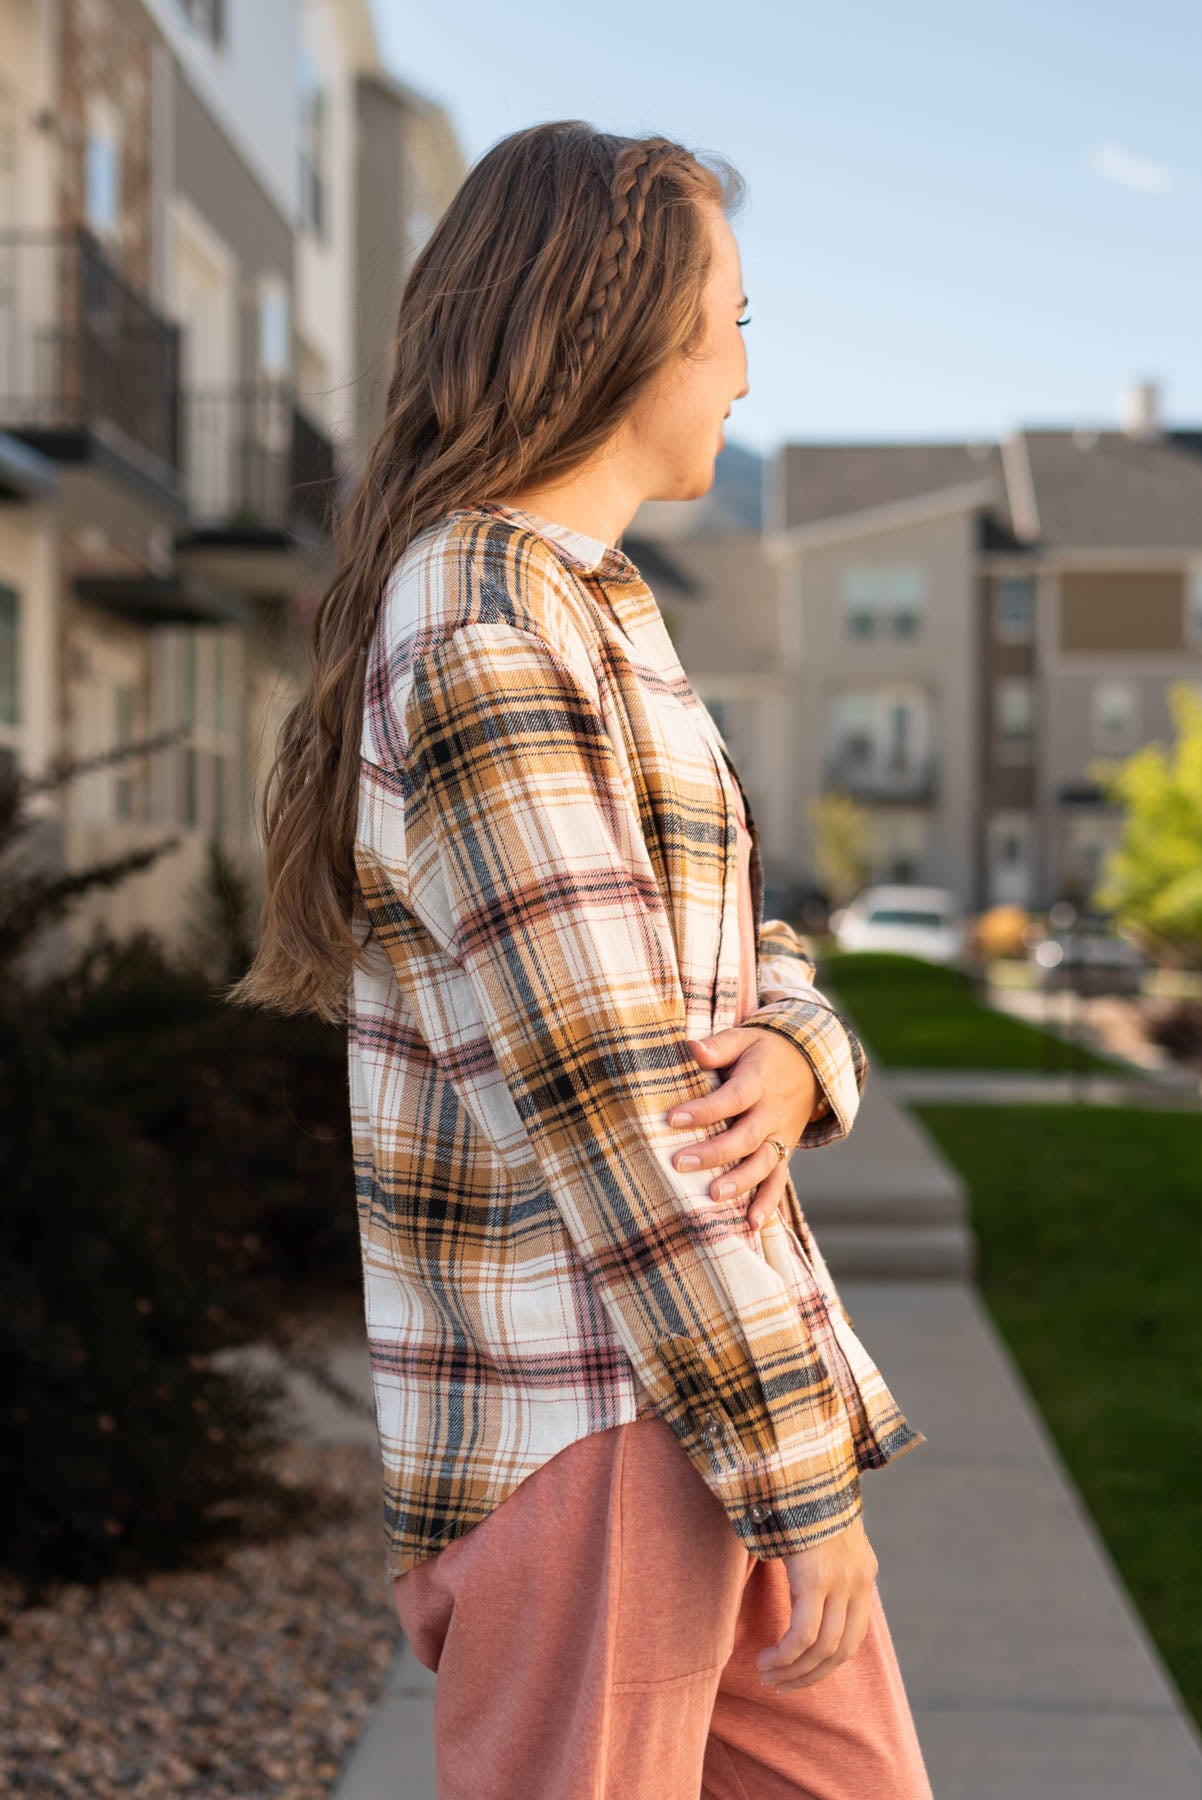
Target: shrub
[140, 1131]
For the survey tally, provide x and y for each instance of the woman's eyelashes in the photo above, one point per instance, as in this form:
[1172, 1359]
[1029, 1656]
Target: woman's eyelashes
[742, 322]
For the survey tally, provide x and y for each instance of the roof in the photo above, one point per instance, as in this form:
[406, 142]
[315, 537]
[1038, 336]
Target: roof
[1110, 490]
[1090, 489]
[817, 482]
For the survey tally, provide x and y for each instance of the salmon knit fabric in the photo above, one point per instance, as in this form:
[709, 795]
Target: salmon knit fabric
[596, 1639]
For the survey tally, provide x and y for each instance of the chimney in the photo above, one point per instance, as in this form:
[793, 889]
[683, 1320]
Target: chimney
[1141, 410]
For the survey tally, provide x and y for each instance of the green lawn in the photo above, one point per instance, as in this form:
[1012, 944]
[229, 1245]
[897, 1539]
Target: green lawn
[917, 1015]
[1089, 1226]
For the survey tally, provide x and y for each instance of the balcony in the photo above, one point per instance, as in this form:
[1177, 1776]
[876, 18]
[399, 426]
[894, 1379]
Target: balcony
[89, 371]
[867, 775]
[261, 479]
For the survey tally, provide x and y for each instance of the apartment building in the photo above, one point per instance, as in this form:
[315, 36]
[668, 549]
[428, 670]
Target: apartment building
[951, 633]
[878, 548]
[181, 255]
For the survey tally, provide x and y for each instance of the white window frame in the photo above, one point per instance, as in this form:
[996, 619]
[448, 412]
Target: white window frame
[274, 359]
[1192, 631]
[1109, 746]
[882, 595]
[860, 605]
[102, 167]
[875, 706]
[314, 142]
[1006, 631]
[196, 672]
[1013, 747]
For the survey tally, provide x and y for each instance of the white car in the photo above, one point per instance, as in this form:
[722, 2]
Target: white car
[916, 921]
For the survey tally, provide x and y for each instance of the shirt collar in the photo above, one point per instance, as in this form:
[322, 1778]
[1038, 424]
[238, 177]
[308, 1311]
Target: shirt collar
[586, 555]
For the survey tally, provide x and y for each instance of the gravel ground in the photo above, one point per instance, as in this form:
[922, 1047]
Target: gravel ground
[250, 1680]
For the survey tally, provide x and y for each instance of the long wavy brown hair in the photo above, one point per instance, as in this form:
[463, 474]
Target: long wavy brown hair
[567, 270]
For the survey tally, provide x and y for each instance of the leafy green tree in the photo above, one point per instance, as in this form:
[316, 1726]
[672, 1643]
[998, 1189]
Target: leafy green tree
[1152, 879]
[842, 844]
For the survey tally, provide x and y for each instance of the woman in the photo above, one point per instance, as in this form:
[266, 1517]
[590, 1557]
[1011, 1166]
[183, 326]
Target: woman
[622, 1414]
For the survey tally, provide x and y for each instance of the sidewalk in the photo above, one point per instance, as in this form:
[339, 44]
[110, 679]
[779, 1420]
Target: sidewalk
[1030, 1674]
[971, 1087]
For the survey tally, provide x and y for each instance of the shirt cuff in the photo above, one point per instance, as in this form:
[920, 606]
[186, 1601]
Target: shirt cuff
[834, 1053]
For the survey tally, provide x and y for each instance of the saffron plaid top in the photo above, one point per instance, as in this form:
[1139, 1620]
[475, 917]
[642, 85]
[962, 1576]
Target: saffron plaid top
[547, 858]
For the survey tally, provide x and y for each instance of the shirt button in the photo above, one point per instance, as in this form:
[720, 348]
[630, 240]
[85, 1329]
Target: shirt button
[711, 1423]
[759, 1513]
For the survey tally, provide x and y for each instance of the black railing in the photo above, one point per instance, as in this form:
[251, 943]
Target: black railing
[253, 460]
[80, 346]
[876, 777]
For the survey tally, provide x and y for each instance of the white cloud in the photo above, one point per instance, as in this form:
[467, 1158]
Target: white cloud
[1138, 173]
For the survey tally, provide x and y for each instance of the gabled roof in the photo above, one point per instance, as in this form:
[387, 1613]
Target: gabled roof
[1080, 489]
[817, 482]
[1109, 490]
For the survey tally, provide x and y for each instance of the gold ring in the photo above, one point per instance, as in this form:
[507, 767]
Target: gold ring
[781, 1149]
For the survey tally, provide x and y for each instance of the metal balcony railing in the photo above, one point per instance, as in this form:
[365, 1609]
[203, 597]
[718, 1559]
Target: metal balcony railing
[871, 776]
[254, 460]
[81, 347]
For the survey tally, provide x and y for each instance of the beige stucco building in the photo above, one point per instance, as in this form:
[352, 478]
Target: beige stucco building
[182, 364]
[950, 633]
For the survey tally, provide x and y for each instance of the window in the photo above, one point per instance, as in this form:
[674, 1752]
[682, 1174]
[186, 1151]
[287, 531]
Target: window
[1113, 715]
[1014, 609]
[883, 734]
[884, 602]
[274, 337]
[123, 695]
[102, 168]
[904, 601]
[853, 722]
[898, 752]
[273, 401]
[1014, 716]
[10, 665]
[197, 671]
[206, 17]
[314, 149]
[859, 600]
[1193, 607]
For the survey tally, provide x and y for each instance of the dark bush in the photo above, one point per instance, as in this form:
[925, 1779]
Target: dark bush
[1179, 1031]
[172, 1171]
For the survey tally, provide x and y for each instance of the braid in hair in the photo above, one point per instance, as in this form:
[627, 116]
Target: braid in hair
[636, 168]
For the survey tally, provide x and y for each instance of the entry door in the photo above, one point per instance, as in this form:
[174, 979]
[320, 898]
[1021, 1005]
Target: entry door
[1010, 870]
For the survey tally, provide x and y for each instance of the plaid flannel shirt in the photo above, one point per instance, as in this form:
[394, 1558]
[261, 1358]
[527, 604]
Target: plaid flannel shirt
[546, 855]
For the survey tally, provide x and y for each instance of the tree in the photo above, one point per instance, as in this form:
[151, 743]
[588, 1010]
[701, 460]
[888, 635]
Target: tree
[1152, 879]
[842, 844]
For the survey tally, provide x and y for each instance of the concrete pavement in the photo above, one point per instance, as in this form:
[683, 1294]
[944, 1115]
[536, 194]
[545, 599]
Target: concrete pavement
[884, 1203]
[985, 1087]
[1030, 1674]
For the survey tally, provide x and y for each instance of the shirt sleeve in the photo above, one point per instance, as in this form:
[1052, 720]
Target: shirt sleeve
[529, 862]
[794, 1007]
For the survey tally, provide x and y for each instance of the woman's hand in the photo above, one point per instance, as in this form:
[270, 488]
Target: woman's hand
[771, 1092]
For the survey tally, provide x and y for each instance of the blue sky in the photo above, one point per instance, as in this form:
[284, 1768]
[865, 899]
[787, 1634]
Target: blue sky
[961, 218]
